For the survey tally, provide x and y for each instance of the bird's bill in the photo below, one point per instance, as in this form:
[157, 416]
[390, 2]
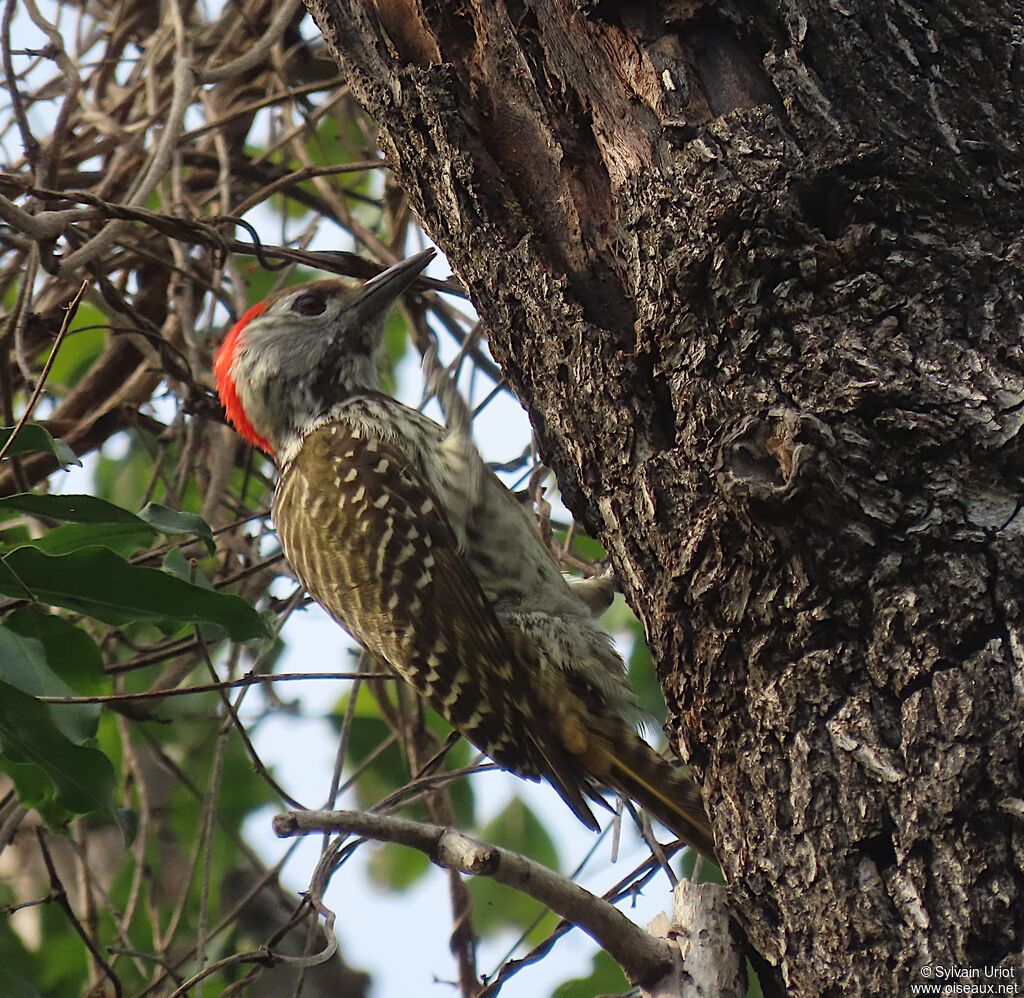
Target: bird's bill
[380, 291]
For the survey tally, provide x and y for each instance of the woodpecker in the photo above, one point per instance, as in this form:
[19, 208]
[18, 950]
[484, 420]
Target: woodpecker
[397, 528]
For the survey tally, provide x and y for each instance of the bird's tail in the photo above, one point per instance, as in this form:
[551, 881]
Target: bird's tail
[603, 749]
[627, 764]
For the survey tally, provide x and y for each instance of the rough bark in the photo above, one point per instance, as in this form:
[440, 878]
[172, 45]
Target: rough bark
[755, 270]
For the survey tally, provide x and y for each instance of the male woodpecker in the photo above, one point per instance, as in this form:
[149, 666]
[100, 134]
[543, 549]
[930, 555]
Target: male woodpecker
[400, 532]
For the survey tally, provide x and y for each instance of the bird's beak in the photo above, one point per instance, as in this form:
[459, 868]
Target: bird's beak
[379, 292]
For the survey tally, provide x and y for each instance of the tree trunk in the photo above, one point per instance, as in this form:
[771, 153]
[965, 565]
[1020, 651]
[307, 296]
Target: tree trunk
[755, 269]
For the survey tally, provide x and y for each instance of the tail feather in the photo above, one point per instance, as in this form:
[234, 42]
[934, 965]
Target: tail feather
[603, 750]
[631, 767]
[561, 774]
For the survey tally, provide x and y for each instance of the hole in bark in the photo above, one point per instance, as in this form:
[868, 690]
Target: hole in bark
[605, 305]
[665, 413]
[455, 34]
[826, 202]
[845, 193]
[879, 849]
[729, 62]
[562, 374]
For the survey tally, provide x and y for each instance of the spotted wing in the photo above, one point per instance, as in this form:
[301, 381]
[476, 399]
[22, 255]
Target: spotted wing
[368, 539]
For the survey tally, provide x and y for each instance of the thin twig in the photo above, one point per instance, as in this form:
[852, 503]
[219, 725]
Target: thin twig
[224, 684]
[257, 52]
[29, 142]
[232, 711]
[60, 895]
[69, 315]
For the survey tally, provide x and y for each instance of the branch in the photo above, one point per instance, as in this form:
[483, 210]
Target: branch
[257, 52]
[643, 958]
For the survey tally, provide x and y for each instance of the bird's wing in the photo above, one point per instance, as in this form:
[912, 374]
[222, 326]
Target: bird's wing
[368, 539]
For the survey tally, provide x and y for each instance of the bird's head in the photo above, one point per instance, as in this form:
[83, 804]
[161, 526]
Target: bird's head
[288, 360]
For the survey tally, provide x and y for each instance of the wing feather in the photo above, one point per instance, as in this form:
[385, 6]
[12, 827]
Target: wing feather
[369, 540]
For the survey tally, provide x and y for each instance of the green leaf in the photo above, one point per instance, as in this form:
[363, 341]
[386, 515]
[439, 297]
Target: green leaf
[396, 868]
[19, 962]
[78, 779]
[178, 565]
[172, 521]
[97, 582]
[81, 347]
[387, 772]
[753, 982]
[33, 438]
[643, 677]
[710, 873]
[16, 987]
[23, 664]
[65, 966]
[72, 509]
[242, 791]
[518, 828]
[586, 547]
[14, 537]
[127, 477]
[70, 652]
[498, 907]
[396, 341]
[124, 538]
[90, 520]
[606, 978]
[87, 521]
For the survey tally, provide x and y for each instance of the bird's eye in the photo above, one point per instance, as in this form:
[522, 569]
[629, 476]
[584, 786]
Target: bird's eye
[310, 303]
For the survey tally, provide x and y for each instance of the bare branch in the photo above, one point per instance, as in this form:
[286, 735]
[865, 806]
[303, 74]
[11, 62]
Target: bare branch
[642, 958]
[258, 52]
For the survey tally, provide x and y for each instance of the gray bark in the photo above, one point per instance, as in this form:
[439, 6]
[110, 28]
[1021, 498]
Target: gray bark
[755, 269]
